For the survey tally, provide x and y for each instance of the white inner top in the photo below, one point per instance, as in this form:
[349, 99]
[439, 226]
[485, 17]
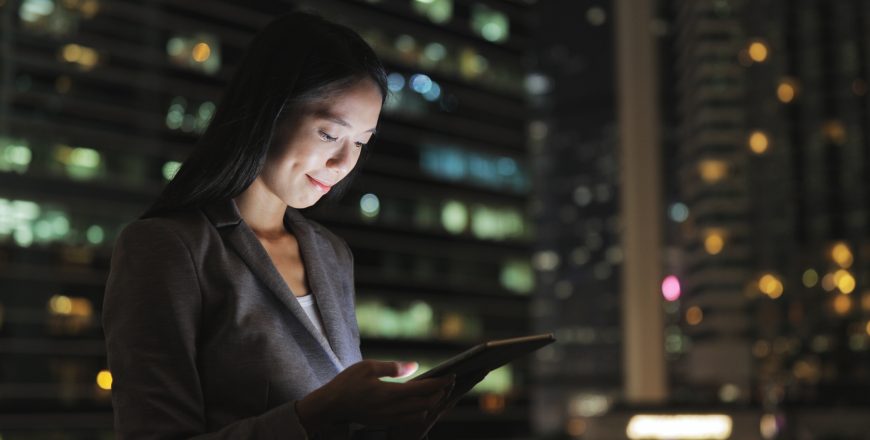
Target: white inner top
[310, 306]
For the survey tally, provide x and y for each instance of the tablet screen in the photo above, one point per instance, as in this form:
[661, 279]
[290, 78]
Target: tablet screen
[489, 355]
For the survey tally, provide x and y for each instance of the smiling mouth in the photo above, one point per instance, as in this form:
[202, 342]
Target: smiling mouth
[318, 184]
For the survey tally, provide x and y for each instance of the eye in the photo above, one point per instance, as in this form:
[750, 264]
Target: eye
[360, 145]
[327, 137]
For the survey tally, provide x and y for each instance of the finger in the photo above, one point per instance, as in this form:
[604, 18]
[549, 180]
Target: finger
[416, 388]
[391, 368]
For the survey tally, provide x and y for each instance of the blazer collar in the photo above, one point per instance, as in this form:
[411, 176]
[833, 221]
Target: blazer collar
[316, 253]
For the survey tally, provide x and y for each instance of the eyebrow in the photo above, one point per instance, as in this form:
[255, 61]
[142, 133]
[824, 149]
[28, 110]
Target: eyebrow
[325, 114]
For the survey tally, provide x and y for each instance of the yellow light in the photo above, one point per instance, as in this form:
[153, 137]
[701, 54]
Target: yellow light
[786, 91]
[694, 315]
[758, 142]
[841, 255]
[714, 242]
[72, 52]
[842, 304]
[89, 8]
[758, 52]
[810, 278]
[844, 281]
[865, 301]
[88, 58]
[201, 52]
[712, 170]
[60, 305]
[835, 131]
[713, 427]
[104, 380]
[770, 285]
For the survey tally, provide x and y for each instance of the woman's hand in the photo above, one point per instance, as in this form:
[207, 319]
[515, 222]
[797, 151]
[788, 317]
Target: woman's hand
[358, 395]
[419, 429]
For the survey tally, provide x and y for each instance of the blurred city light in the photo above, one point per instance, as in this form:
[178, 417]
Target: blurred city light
[675, 427]
[671, 288]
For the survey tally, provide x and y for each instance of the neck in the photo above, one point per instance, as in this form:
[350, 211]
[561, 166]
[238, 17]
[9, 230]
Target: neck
[262, 210]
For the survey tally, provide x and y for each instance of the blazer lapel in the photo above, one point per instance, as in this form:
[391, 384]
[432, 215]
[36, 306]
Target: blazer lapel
[318, 255]
[241, 238]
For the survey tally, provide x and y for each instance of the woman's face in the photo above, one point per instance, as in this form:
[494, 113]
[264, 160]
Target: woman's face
[322, 145]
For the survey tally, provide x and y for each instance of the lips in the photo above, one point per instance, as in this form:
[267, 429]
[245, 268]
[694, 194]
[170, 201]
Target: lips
[322, 186]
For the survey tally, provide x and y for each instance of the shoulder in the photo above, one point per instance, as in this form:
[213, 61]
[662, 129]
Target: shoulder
[179, 228]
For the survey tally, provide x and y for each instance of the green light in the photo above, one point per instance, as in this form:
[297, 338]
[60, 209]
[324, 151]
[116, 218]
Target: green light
[15, 157]
[60, 225]
[490, 24]
[84, 157]
[498, 381]
[370, 205]
[517, 276]
[95, 234]
[23, 235]
[454, 217]
[43, 230]
[24, 210]
[170, 169]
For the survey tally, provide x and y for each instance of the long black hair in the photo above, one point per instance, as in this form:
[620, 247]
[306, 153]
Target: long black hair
[295, 59]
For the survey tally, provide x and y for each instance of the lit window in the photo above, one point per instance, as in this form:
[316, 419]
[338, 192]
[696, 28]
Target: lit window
[758, 51]
[517, 276]
[490, 24]
[369, 205]
[758, 142]
[14, 156]
[454, 217]
[80, 163]
[437, 11]
[714, 241]
[104, 380]
[712, 170]
[679, 212]
[196, 52]
[85, 57]
[170, 168]
[787, 90]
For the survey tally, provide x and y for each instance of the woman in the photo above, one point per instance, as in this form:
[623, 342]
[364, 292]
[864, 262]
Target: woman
[227, 313]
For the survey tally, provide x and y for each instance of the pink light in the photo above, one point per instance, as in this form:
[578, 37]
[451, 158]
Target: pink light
[671, 288]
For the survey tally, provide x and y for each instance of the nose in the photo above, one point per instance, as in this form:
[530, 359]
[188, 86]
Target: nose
[343, 158]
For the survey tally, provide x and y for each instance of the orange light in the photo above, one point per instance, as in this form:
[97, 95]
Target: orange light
[842, 304]
[787, 91]
[694, 315]
[492, 403]
[835, 131]
[201, 52]
[758, 52]
[712, 170]
[758, 142]
[714, 242]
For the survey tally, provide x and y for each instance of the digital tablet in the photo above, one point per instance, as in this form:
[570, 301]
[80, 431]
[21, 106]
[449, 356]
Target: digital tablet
[489, 355]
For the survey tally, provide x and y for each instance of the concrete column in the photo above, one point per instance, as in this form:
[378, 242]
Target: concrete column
[644, 378]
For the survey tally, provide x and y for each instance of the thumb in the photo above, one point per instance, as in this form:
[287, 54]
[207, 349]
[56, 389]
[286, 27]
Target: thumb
[393, 369]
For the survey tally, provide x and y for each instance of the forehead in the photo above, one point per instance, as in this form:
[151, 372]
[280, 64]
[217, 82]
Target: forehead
[359, 105]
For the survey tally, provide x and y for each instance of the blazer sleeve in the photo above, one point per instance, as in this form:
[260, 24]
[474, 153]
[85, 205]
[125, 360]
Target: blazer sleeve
[151, 317]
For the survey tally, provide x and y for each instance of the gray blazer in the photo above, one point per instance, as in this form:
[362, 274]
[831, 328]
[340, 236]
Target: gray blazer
[205, 339]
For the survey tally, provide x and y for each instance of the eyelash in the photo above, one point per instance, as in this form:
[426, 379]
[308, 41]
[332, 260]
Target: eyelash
[329, 138]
